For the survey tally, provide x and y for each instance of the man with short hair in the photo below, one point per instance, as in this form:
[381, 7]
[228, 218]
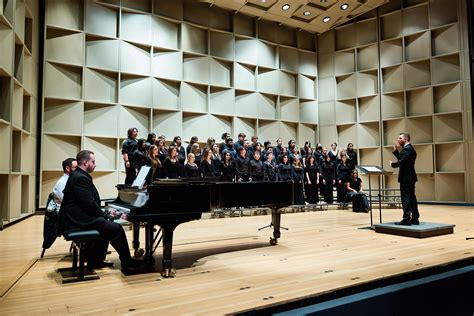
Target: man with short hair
[128, 148]
[81, 210]
[69, 165]
[406, 156]
[240, 142]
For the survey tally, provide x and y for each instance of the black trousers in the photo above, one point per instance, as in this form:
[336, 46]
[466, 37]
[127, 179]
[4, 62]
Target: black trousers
[409, 202]
[312, 193]
[341, 191]
[130, 175]
[113, 233]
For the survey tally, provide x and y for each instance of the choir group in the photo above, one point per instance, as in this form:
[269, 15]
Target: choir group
[314, 171]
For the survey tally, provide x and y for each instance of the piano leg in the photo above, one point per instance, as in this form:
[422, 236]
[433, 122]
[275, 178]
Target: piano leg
[136, 240]
[167, 232]
[276, 218]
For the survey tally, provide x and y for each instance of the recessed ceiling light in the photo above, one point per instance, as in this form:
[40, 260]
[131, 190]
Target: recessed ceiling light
[263, 1]
[326, 19]
[344, 6]
[306, 13]
[323, 1]
[285, 7]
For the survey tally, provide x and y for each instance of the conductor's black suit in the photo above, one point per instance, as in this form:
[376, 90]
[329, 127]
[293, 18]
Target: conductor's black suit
[81, 210]
[407, 178]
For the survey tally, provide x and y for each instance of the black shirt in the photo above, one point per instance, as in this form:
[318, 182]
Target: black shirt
[328, 171]
[343, 172]
[256, 170]
[227, 171]
[171, 169]
[355, 184]
[191, 171]
[206, 169]
[285, 172]
[242, 166]
[129, 146]
[270, 171]
[312, 173]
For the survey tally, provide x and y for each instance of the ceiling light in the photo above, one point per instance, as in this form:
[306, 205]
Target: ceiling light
[344, 6]
[323, 1]
[285, 7]
[306, 13]
[263, 1]
[326, 19]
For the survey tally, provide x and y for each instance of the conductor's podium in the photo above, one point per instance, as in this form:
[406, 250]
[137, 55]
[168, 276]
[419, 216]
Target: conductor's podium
[425, 229]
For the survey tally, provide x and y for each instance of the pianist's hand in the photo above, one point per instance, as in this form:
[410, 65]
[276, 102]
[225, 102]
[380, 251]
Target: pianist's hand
[124, 217]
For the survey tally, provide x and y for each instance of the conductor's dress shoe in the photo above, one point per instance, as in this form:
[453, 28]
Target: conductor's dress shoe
[403, 222]
[415, 222]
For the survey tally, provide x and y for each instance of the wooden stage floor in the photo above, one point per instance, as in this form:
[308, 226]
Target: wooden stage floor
[225, 265]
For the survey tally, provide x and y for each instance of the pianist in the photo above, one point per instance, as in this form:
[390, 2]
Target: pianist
[81, 210]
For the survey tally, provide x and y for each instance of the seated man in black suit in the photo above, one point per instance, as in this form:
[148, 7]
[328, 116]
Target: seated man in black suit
[81, 209]
[406, 156]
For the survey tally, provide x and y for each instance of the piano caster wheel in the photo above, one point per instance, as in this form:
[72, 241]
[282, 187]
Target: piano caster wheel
[169, 273]
[273, 241]
[139, 253]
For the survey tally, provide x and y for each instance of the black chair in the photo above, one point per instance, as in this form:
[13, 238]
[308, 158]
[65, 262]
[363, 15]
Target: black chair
[80, 241]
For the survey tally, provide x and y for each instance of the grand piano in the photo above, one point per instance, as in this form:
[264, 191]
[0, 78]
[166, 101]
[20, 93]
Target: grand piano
[168, 203]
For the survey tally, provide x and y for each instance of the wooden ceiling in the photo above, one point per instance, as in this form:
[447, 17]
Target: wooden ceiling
[315, 16]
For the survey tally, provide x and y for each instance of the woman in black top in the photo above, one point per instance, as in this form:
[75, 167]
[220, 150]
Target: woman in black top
[285, 169]
[256, 167]
[343, 175]
[242, 166]
[351, 156]
[191, 170]
[306, 151]
[171, 168]
[206, 164]
[150, 140]
[180, 148]
[140, 155]
[162, 152]
[155, 163]
[270, 168]
[312, 180]
[196, 150]
[356, 194]
[226, 168]
[216, 160]
[329, 174]
[298, 178]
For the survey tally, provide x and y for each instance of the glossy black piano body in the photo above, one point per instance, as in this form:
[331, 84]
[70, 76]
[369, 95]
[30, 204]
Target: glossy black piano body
[170, 203]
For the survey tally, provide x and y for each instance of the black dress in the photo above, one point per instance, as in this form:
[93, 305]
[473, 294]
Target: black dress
[311, 190]
[359, 200]
[207, 170]
[171, 169]
[328, 172]
[343, 174]
[227, 171]
[298, 177]
[285, 172]
[352, 158]
[191, 171]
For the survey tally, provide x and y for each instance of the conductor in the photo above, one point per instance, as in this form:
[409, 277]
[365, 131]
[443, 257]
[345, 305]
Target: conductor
[406, 156]
[80, 209]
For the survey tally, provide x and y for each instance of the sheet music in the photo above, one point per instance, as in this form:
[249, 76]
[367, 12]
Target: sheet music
[371, 169]
[141, 178]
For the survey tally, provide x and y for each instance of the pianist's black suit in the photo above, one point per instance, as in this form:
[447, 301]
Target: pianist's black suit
[80, 209]
[407, 178]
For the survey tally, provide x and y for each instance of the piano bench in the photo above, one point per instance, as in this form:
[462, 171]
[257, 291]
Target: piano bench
[80, 240]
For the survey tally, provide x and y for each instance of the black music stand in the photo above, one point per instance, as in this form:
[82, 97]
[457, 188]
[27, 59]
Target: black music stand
[370, 171]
